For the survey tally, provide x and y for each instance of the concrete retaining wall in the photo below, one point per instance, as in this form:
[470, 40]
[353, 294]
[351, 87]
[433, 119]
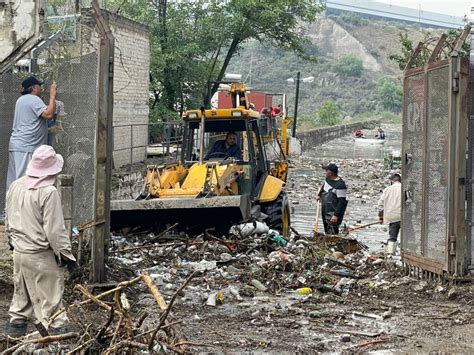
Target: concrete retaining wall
[318, 136]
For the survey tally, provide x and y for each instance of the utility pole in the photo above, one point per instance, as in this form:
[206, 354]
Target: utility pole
[296, 103]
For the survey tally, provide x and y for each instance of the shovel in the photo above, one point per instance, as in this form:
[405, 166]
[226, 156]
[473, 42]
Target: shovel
[316, 225]
[364, 225]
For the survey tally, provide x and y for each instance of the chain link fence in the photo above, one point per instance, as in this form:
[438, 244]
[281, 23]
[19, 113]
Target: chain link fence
[72, 133]
[434, 146]
[412, 141]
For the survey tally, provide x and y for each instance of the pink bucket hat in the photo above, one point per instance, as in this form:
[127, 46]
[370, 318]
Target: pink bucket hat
[45, 162]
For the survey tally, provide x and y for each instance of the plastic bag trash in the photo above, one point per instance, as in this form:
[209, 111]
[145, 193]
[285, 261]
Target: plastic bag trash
[203, 265]
[258, 285]
[246, 229]
[211, 299]
[279, 240]
[226, 257]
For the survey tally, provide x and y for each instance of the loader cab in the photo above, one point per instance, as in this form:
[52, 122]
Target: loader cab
[253, 162]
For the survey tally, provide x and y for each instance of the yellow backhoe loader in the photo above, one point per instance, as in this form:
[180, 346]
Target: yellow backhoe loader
[216, 190]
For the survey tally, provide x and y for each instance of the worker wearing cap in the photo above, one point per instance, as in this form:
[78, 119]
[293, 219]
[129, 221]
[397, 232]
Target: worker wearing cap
[333, 199]
[36, 232]
[390, 210]
[30, 126]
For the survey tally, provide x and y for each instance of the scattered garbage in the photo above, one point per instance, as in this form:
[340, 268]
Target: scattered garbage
[258, 285]
[246, 229]
[304, 291]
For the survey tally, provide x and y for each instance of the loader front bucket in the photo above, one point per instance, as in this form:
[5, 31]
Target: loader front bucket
[193, 215]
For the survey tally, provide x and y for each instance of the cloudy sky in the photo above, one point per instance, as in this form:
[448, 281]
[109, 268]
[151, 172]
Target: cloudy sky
[449, 7]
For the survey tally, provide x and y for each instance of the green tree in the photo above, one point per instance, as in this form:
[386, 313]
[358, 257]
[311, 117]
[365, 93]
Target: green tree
[193, 42]
[389, 95]
[349, 65]
[329, 114]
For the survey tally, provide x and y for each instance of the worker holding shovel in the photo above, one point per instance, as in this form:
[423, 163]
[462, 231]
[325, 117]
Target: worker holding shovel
[333, 199]
[390, 206]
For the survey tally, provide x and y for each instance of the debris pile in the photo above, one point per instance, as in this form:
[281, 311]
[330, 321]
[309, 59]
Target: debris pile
[109, 323]
[263, 261]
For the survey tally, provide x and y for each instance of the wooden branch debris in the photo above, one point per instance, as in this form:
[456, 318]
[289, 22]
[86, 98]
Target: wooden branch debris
[154, 291]
[44, 340]
[119, 331]
[120, 286]
[168, 308]
[154, 239]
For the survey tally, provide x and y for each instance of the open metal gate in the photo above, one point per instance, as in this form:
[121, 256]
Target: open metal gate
[435, 117]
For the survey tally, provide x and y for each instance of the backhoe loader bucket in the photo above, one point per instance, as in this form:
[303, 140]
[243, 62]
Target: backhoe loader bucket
[192, 214]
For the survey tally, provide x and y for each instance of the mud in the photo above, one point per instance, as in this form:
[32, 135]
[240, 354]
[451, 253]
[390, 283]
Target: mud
[373, 308]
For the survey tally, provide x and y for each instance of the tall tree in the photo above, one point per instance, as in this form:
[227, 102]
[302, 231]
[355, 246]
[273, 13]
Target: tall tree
[193, 42]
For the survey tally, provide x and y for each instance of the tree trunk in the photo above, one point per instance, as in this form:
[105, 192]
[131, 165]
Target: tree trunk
[230, 53]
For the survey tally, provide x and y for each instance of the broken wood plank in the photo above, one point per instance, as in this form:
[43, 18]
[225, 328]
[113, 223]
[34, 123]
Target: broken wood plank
[154, 290]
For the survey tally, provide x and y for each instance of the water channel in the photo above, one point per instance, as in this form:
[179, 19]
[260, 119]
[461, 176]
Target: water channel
[365, 175]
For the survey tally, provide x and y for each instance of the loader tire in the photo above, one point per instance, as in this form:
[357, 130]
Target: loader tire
[278, 213]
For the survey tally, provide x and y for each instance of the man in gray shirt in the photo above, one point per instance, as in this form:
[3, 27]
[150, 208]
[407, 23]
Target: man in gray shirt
[30, 126]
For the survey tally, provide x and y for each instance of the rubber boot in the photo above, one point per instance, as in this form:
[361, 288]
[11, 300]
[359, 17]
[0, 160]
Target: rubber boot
[391, 247]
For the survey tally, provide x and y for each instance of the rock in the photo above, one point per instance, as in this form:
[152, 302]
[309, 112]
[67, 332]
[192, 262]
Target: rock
[314, 314]
[338, 255]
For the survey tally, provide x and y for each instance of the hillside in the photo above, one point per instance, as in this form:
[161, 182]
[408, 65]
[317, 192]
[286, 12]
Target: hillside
[372, 41]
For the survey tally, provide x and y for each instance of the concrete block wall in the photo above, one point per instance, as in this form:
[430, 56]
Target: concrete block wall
[131, 83]
[314, 137]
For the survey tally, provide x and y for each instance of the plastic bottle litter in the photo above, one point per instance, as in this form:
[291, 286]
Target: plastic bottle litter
[234, 290]
[220, 297]
[258, 285]
[304, 291]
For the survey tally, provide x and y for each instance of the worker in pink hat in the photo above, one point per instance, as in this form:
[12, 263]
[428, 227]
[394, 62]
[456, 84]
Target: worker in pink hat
[41, 246]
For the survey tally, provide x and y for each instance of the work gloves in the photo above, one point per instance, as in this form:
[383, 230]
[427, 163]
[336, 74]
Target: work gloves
[72, 268]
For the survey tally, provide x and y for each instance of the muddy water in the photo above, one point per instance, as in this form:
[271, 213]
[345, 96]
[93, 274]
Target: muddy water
[361, 166]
